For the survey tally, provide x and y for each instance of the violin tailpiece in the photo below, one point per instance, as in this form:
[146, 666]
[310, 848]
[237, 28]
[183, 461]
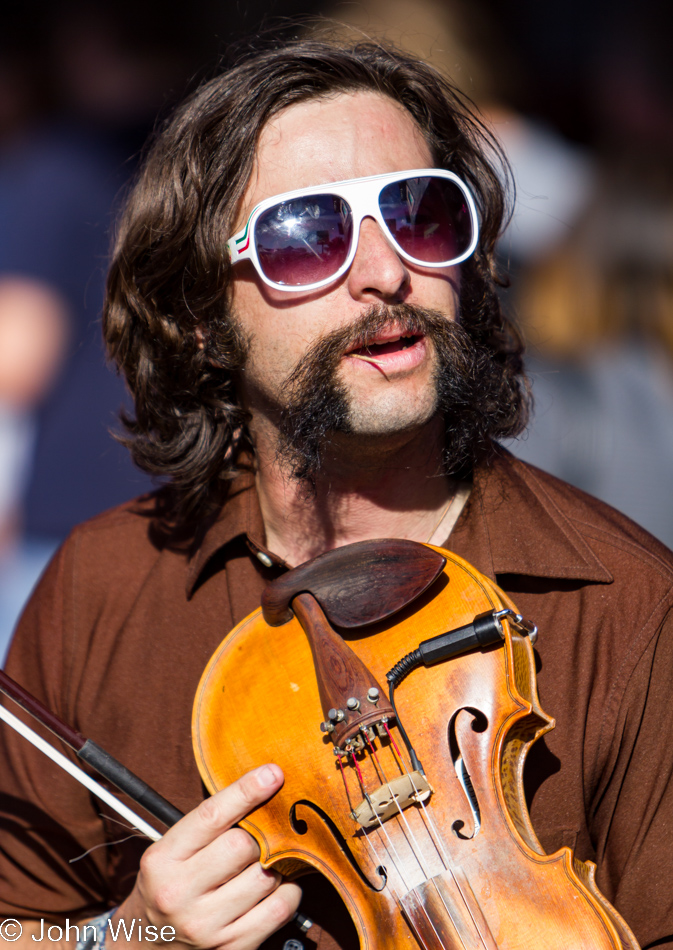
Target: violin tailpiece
[351, 697]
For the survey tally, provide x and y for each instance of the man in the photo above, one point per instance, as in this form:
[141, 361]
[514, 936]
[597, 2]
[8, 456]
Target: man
[315, 364]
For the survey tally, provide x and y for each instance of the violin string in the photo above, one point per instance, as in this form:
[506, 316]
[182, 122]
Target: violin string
[436, 837]
[380, 773]
[392, 740]
[343, 776]
[475, 922]
[392, 852]
[411, 838]
[365, 793]
[413, 844]
[379, 766]
[482, 942]
[391, 849]
[380, 864]
[432, 829]
[357, 769]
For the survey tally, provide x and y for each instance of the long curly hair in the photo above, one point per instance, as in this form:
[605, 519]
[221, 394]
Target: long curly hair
[165, 319]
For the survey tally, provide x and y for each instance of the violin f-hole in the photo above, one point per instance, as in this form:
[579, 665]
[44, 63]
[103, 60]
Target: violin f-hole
[300, 826]
[479, 724]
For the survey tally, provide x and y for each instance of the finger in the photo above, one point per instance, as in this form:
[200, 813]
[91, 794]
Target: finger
[217, 814]
[268, 916]
[239, 895]
[220, 861]
[212, 912]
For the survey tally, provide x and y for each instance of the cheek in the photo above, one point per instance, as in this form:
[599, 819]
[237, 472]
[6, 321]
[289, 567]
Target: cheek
[439, 291]
[275, 341]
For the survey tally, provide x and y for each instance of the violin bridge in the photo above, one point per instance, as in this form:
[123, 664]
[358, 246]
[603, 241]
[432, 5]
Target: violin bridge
[391, 798]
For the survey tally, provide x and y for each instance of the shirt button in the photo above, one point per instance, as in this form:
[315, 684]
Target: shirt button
[265, 559]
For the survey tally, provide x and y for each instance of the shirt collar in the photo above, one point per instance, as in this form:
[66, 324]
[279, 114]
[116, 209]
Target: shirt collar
[240, 517]
[511, 524]
[514, 524]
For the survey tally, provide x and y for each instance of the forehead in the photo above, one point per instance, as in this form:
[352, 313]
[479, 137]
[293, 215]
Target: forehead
[344, 136]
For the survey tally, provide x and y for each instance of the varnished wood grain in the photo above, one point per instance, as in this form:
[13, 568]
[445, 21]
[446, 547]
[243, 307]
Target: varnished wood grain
[259, 700]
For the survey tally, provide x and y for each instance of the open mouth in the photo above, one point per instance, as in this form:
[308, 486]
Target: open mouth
[379, 350]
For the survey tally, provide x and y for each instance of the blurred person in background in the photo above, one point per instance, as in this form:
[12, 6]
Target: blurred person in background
[597, 304]
[600, 311]
[590, 243]
[81, 83]
[34, 327]
[78, 92]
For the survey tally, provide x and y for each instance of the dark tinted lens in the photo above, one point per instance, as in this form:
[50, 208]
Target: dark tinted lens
[428, 217]
[303, 241]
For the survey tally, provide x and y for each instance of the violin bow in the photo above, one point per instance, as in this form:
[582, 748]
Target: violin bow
[105, 764]
[91, 753]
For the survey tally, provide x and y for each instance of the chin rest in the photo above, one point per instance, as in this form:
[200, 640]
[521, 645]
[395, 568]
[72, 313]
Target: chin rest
[357, 584]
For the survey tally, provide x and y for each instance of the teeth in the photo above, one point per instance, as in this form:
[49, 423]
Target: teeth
[405, 337]
[392, 339]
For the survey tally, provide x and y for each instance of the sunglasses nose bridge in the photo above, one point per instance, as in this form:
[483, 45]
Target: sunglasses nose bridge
[377, 269]
[363, 198]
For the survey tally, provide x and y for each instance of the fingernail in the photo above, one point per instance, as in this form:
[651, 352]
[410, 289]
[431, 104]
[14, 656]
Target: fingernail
[266, 776]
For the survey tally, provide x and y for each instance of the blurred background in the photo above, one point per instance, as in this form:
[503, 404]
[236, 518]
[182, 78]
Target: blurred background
[579, 94]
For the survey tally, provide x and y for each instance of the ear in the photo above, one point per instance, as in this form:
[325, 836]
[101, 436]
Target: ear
[200, 338]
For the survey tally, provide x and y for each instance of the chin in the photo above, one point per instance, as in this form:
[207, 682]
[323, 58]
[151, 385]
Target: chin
[391, 417]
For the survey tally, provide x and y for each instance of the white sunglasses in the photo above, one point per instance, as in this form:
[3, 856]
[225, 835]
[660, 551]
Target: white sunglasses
[306, 239]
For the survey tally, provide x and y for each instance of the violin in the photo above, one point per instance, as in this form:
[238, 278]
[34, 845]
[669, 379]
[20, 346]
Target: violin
[408, 798]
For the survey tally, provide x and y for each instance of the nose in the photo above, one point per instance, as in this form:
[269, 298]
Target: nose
[377, 271]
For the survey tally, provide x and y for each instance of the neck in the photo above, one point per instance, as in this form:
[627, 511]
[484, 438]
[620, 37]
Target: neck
[366, 488]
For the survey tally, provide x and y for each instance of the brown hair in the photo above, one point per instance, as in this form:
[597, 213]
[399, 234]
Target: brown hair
[165, 319]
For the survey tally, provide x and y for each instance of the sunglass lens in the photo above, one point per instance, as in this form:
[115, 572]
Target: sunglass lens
[304, 240]
[428, 217]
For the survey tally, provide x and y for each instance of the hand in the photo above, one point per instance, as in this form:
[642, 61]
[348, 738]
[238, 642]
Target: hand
[203, 878]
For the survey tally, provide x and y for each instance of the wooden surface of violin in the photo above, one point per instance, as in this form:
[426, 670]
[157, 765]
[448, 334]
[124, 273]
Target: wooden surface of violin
[439, 857]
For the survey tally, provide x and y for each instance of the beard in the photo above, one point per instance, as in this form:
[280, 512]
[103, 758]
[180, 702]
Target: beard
[478, 395]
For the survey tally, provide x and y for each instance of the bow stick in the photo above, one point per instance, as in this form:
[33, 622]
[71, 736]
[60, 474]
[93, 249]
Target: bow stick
[99, 759]
[91, 753]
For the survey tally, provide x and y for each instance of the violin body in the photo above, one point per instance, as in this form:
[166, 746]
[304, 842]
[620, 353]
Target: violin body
[457, 865]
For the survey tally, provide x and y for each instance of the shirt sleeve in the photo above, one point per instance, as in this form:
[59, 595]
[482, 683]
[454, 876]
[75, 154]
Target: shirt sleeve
[631, 817]
[48, 821]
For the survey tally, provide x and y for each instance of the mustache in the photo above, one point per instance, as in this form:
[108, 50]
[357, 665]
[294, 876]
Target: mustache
[479, 390]
[322, 358]
[316, 399]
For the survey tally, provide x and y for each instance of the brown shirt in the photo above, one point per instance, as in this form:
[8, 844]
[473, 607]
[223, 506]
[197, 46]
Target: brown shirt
[121, 628]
